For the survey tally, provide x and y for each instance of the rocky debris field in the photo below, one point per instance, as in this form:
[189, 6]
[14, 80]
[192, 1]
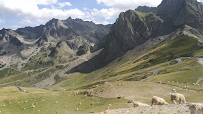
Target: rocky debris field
[155, 109]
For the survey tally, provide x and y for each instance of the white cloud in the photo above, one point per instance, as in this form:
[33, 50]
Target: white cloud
[2, 21]
[64, 4]
[102, 22]
[117, 6]
[106, 13]
[128, 4]
[32, 14]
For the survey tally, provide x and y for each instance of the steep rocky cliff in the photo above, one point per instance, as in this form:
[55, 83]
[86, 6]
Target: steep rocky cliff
[131, 29]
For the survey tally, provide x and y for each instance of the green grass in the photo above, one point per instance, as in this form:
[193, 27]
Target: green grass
[7, 72]
[181, 74]
[49, 102]
[198, 53]
[141, 15]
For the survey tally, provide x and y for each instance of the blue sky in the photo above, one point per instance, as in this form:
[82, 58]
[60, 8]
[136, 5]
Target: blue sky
[20, 13]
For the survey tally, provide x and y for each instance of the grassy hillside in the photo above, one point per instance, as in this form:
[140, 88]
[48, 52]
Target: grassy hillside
[161, 57]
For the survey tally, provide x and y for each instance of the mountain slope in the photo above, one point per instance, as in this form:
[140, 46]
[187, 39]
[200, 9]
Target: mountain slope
[143, 31]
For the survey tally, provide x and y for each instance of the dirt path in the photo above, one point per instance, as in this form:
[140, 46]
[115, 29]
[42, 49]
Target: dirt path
[157, 71]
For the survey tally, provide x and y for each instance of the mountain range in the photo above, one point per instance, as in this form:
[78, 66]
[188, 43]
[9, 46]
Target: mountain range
[73, 45]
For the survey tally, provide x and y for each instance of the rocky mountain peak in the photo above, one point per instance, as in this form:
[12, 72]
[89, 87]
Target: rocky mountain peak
[87, 29]
[56, 23]
[170, 7]
[181, 12]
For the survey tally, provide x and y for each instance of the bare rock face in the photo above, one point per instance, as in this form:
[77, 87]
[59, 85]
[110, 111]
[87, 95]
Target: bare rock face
[58, 30]
[180, 12]
[131, 29]
[7, 35]
[89, 30]
[145, 9]
[30, 33]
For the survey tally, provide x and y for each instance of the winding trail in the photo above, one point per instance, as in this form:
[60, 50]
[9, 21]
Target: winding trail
[200, 61]
[154, 74]
[157, 71]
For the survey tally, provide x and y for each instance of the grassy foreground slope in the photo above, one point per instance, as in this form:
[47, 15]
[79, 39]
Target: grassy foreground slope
[49, 102]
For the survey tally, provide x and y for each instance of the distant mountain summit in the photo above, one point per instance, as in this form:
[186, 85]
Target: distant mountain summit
[89, 30]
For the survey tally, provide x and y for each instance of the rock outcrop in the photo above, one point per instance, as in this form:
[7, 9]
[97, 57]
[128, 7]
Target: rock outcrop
[145, 9]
